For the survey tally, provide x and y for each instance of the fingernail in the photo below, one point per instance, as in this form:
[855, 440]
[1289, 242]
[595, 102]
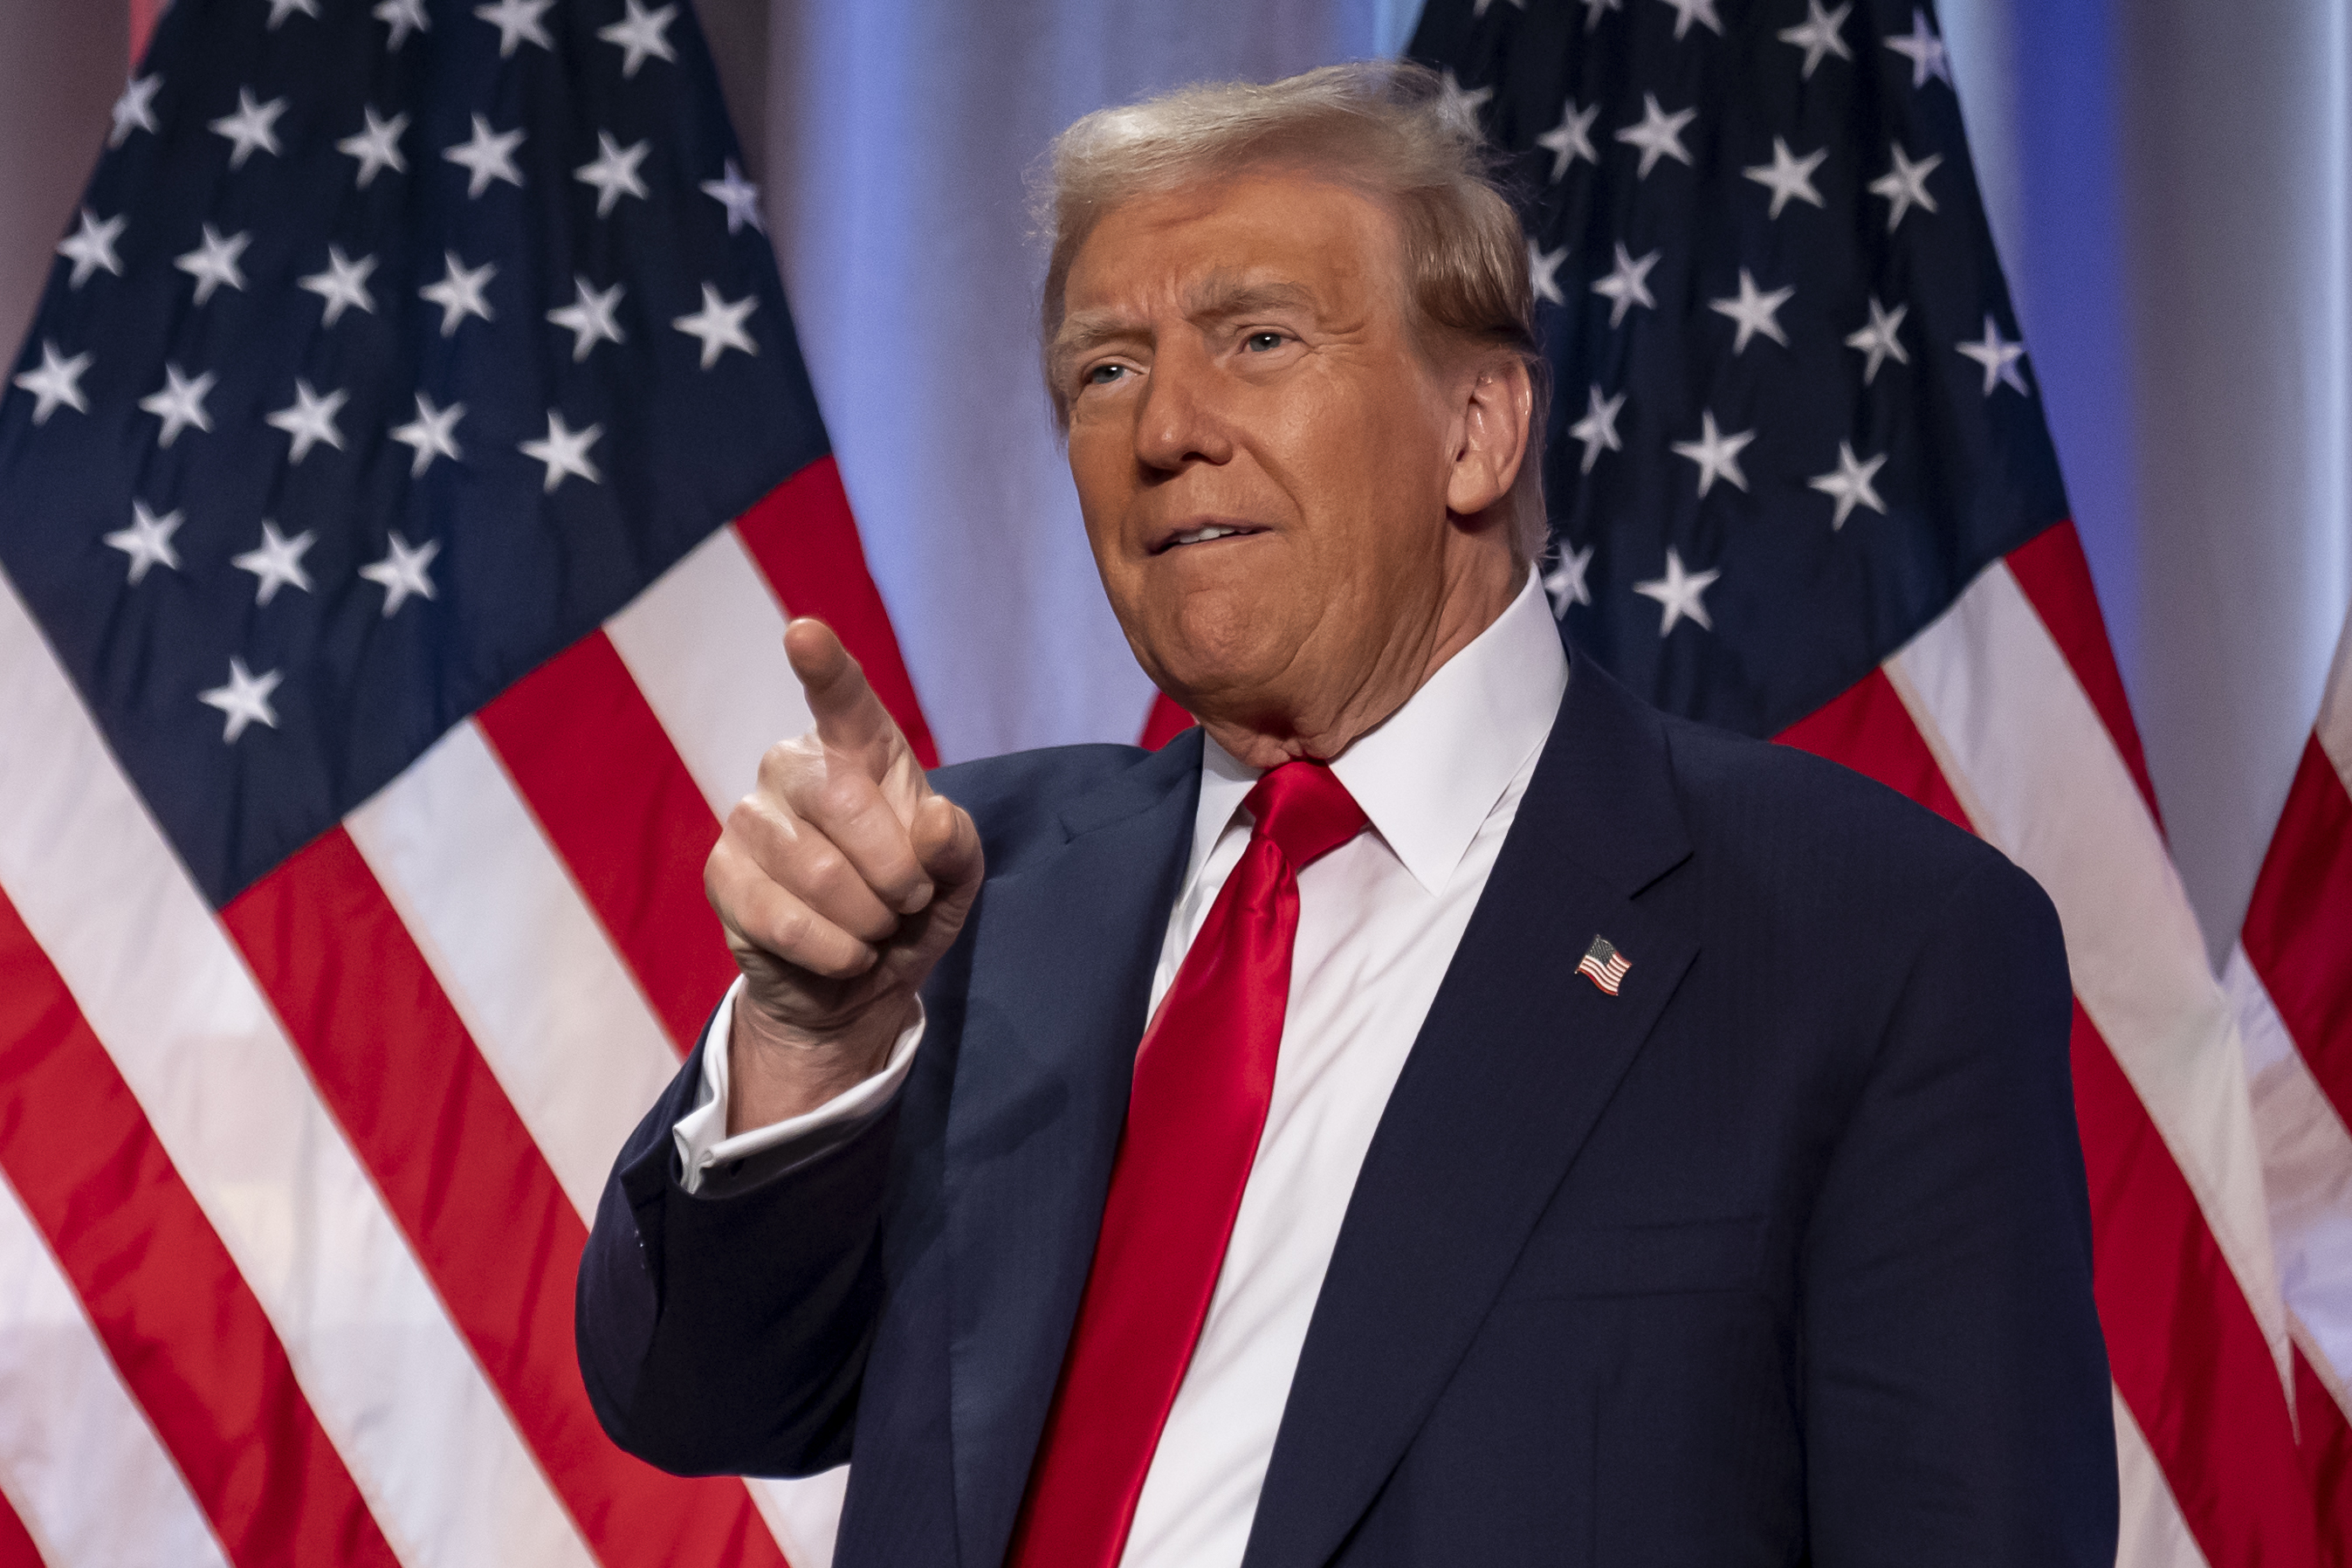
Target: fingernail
[921, 896]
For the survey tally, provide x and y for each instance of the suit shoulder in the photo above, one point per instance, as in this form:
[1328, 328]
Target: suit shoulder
[1784, 811]
[1018, 798]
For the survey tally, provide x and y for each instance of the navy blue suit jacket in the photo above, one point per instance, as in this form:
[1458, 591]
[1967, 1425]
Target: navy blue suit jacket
[1781, 1255]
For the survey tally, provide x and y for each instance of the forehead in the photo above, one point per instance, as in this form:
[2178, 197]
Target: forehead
[1183, 247]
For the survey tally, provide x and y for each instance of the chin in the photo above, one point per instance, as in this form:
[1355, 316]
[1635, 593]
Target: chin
[1213, 647]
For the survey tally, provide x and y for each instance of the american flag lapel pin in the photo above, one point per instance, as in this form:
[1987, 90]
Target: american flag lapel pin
[1604, 964]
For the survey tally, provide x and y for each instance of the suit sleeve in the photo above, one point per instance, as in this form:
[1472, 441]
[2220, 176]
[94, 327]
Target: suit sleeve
[1956, 1398]
[728, 1334]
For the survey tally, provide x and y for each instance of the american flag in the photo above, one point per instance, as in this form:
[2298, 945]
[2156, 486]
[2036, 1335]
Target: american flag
[1604, 965]
[402, 489]
[1801, 486]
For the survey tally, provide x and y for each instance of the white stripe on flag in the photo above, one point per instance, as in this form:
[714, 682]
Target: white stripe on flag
[2307, 1171]
[555, 1013]
[392, 1382]
[2041, 778]
[706, 646]
[2153, 1534]
[79, 1460]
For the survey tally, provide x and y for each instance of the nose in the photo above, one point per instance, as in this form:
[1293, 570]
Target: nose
[1181, 421]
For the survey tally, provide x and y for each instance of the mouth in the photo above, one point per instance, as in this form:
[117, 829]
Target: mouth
[1203, 533]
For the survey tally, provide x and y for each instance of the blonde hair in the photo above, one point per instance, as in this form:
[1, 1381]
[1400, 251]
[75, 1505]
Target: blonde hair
[1388, 128]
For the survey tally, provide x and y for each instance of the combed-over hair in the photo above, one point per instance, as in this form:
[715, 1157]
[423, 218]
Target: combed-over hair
[1387, 128]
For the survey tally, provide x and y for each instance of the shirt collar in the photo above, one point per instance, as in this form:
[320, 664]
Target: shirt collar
[1428, 776]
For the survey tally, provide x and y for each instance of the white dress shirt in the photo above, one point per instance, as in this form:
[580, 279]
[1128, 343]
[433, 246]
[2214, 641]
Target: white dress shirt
[1378, 920]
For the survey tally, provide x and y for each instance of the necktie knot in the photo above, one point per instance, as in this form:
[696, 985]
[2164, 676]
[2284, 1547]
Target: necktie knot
[1305, 810]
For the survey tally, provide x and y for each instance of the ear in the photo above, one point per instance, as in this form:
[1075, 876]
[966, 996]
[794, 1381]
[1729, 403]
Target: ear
[1491, 438]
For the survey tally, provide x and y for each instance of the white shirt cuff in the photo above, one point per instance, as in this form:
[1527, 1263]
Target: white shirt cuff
[703, 1146]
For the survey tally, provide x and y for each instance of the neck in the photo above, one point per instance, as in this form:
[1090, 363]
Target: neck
[1325, 724]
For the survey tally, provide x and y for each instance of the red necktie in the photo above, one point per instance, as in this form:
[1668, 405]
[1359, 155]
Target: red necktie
[1204, 1075]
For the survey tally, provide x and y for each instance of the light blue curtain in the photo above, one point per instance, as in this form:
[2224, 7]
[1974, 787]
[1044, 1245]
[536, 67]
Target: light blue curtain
[2170, 185]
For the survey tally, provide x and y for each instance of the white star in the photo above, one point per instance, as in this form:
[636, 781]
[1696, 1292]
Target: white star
[215, 262]
[517, 22]
[1699, 11]
[487, 155]
[1877, 340]
[135, 110]
[342, 285]
[1717, 454]
[1543, 269]
[1480, 8]
[639, 34]
[1658, 134]
[275, 562]
[245, 699]
[1755, 311]
[310, 419]
[589, 318]
[1788, 177]
[719, 325]
[281, 9]
[179, 403]
[1924, 50]
[1679, 592]
[1598, 429]
[1999, 355]
[57, 381]
[614, 172]
[740, 196]
[1819, 35]
[377, 147]
[403, 17]
[1571, 139]
[1627, 284]
[92, 246]
[148, 539]
[1458, 104]
[1905, 185]
[565, 451]
[1592, 9]
[402, 573]
[1565, 582]
[433, 432]
[459, 291]
[1850, 485]
[253, 126]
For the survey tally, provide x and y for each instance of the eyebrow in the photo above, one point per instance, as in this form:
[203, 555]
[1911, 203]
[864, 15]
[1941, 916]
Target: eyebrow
[1219, 297]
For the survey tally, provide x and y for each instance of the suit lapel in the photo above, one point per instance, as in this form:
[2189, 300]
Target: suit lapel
[1054, 1014]
[1514, 1065]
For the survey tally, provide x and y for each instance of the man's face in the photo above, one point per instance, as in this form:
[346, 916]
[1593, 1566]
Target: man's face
[1262, 456]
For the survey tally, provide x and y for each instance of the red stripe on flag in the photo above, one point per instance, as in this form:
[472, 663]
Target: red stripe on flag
[17, 1548]
[2056, 578]
[1868, 729]
[2325, 1441]
[460, 1174]
[2182, 1344]
[176, 1317]
[805, 541]
[592, 761]
[144, 16]
[2298, 930]
[161, 1288]
[1166, 722]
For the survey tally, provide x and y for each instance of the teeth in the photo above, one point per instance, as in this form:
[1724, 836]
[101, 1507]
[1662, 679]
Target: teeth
[1200, 536]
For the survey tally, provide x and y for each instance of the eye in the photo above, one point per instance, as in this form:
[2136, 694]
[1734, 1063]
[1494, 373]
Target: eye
[1262, 342]
[1104, 375]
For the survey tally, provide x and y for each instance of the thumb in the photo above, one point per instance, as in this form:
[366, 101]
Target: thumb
[948, 843]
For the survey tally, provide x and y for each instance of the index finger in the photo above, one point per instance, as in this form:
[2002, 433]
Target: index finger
[849, 718]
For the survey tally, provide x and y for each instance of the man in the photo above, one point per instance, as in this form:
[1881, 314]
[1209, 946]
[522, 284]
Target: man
[1439, 1110]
